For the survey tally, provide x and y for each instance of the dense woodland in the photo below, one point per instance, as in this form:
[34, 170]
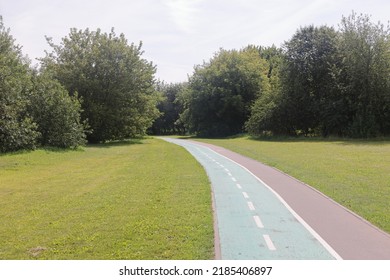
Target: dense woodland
[96, 87]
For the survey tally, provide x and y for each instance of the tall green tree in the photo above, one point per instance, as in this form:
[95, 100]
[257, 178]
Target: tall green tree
[305, 96]
[365, 75]
[112, 78]
[17, 129]
[266, 114]
[221, 92]
[307, 78]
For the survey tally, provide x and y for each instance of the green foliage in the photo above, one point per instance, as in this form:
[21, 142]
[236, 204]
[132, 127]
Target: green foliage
[221, 92]
[322, 82]
[330, 83]
[265, 117]
[170, 108]
[17, 130]
[56, 113]
[307, 79]
[266, 114]
[34, 109]
[115, 83]
[365, 76]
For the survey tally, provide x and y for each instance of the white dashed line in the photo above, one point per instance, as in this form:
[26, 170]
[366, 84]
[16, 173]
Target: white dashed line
[269, 242]
[234, 179]
[239, 186]
[227, 170]
[230, 174]
[258, 221]
[251, 206]
[245, 194]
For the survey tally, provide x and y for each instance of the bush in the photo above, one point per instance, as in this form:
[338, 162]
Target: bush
[17, 130]
[57, 114]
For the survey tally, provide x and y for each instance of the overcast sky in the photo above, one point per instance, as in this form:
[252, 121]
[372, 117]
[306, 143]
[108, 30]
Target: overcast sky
[178, 34]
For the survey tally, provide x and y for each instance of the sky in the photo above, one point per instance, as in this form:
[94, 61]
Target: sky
[176, 35]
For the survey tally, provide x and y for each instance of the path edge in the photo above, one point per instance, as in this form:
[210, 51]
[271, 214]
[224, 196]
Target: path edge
[326, 245]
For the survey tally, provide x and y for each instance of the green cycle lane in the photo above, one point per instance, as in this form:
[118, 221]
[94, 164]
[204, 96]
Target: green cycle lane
[253, 222]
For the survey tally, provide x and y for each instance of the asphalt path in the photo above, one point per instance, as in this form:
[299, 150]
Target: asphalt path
[262, 213]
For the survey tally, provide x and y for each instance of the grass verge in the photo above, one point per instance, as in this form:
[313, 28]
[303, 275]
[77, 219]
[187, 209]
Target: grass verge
[129, 200]
[355, 173]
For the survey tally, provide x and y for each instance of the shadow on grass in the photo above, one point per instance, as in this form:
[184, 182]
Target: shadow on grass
[105, 145]
[362, 142]
[20, 152]
[50, 149]
[119, 143]
[317, 139]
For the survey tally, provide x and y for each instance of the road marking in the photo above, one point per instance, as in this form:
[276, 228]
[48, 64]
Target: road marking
[269, 242]
[251, 206]
[230, 174]
[234, 179]
[267, 238]
[258, 221]
[245, 194]
[295, 214]
[227, 170]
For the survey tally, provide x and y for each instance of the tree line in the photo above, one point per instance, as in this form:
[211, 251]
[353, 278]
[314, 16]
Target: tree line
[93, 87]
[97, 87]
[321, 82]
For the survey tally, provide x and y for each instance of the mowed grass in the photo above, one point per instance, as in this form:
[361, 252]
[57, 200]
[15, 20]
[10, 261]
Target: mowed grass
[355, 173]
[130, 200]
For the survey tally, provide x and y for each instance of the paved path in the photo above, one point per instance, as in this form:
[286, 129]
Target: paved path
[278, 217]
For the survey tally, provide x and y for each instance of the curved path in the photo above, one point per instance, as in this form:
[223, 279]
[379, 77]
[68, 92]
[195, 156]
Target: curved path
[262, 213]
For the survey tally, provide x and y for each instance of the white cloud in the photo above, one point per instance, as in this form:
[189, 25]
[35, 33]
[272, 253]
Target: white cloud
[184, 13]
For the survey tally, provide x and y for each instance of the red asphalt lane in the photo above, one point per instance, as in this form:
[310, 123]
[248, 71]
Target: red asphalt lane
[351, 236]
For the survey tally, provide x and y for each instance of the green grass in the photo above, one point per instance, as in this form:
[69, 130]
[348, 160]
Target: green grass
[130, 200]
[355, 173]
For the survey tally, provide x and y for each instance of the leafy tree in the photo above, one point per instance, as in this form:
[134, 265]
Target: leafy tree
[305, 97]
[264, 118]
[266, 112]
[56, 113]
[365, 75]
[331, 82]
[115, 83]
[17, 130]
[170, 107]
[308, 83]
[221, 92]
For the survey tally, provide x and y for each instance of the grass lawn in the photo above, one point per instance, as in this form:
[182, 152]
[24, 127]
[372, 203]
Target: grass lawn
[129, 200]
[355, 173]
